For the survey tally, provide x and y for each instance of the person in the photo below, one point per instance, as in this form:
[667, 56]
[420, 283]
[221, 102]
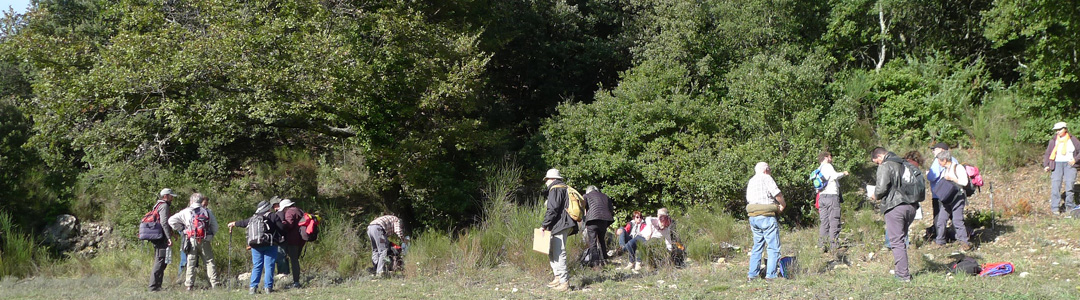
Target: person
[559, 223]
[161, 246]
[1060, 159]
[265, 254]
[379, 231]
[197, 248]
[290, 216]
[934, 174]
[829, 198]
[953, 178]
[628, 238]
[598, 216]
[183, 254]
[898, 207]
[763, 202]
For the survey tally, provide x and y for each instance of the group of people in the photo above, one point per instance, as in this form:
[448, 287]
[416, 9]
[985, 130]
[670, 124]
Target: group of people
[598, 216]
[196, 225]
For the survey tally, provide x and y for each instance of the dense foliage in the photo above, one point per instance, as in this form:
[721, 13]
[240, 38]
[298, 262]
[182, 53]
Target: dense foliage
[364, 107]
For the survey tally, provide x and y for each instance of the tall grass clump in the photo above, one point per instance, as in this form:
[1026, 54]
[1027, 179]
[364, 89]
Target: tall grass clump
[331, 254]
[709, 235]
[504, 236]
[998, 128]
[20, 255]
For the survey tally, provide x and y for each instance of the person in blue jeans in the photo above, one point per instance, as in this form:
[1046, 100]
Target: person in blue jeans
[629, 238]
[763, 202]
[264, 253]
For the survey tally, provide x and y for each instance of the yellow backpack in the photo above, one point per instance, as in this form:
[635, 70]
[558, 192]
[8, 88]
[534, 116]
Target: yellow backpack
[575, 207]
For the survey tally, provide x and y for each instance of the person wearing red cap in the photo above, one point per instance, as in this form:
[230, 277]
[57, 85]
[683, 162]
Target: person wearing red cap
[1060, 159]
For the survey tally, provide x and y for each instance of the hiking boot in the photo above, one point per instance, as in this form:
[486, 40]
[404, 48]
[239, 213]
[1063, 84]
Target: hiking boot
[296, 285]
[269, 290]
[898, 278]
[562, 287]
[251, 291]
[553, 283]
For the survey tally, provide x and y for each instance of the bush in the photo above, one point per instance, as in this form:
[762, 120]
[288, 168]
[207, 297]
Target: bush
[709, 235]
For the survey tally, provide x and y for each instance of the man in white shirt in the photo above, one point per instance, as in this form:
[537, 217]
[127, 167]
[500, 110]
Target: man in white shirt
[764, 202]
[829, 200]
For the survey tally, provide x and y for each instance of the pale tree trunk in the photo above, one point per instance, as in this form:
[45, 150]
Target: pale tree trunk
[881, 21]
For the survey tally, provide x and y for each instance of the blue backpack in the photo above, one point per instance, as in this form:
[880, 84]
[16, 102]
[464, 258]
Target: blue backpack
[818, 180]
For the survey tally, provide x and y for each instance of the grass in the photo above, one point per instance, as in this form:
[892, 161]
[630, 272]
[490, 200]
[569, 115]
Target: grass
[19, 254]
[494, 260]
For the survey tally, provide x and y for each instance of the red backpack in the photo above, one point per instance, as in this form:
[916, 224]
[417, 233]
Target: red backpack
[198, 228]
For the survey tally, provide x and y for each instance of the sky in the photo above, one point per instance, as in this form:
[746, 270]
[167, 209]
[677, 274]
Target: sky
[18, 5]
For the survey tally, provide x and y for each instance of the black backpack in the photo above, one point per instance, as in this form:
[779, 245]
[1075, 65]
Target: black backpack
[912, 181]
[966, 265]
[259, 233]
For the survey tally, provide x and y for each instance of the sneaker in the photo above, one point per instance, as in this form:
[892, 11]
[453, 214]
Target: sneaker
[251, 291]
[627, 267]
[553, 283]
[902, 279]
[637, 266]
[269, 290]
[610, 253]
[296, 285]
[562, 287]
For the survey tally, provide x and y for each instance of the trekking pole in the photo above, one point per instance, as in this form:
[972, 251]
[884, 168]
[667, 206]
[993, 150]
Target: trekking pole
[228, 260]
[992, 212]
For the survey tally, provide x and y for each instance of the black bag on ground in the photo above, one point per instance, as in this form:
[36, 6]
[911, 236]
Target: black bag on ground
[592, 257]
[966, 265]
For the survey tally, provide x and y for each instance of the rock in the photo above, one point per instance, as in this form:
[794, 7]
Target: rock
[60, 235]
[1023, 274]
[244, 277]
[283, 279]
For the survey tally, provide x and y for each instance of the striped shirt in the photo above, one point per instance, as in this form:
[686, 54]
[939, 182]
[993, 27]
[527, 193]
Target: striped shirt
[391, 224]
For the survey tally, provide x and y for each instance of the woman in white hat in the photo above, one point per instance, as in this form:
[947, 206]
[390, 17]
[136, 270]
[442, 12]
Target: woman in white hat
[1060, 159]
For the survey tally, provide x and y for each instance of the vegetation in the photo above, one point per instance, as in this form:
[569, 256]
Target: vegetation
[446, 112]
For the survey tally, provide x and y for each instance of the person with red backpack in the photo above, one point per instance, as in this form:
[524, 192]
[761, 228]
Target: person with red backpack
[160, 214]
[199, 226]
[291, 216]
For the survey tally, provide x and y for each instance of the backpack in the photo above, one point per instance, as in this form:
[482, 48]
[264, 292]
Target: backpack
[818, 180]
[150, 226]
[259, 233]
[912, 181]
[786, 266]
[309, 227]
[966, 265]
[996, 269]
[575, 207]
[975, 180]
[198, 229]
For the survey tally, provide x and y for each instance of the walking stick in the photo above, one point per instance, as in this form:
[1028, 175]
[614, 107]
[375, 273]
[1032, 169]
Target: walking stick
[228, 261]
[992, 212]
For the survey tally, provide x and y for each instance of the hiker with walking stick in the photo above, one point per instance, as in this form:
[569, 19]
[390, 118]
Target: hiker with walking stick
[263, 238]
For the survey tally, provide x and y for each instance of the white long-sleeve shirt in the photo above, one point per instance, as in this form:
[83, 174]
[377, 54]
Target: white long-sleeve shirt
[832, 176]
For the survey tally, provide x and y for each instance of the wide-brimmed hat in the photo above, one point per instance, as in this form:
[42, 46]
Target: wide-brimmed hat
[553, 174]
[1060, 125]
[285, 203]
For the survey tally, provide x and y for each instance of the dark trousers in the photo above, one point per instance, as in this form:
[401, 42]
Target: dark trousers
[161, 247]
[829, 221]
[293, 253]
[597, 235]
[897, 221]
[951, 210]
